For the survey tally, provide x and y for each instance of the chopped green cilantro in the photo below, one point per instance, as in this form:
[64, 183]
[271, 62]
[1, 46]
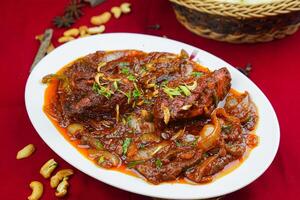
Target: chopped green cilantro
[165, 82]
[132, 164]
[101, 90]
[178, 144]
[125, 145]
[125, 70]
[101, 159]
[98, 144]
[123, 64]
[158, 163]
[136, 94]
[185, 90]
[141, 146]
[131, 77]
[197, 74]
[172, 91]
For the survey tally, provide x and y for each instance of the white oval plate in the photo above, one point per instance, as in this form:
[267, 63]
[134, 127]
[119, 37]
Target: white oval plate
[258, 161]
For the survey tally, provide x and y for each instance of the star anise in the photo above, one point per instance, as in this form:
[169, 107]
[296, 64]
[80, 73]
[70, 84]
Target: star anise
[74, 8]
[63, 21]
[246, 70]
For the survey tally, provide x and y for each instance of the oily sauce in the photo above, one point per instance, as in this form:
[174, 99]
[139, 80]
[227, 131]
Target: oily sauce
[50, 95]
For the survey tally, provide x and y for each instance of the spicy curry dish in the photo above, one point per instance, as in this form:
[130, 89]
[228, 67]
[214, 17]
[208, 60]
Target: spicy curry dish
[154, 114]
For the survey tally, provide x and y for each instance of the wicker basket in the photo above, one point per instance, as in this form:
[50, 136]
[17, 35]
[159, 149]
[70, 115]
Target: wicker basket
[239, 23]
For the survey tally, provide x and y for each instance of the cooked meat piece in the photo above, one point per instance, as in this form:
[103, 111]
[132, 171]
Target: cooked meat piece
[81, 101]
[204, 171]
[210, 89]
[170, 164]
[147, 111]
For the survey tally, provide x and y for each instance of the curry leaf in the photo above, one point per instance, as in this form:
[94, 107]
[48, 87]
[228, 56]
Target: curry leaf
[131, 77]
[197, 74]
[171, 91]
[101, 90]
[125, 70]
[158, 163]
[132, 164]
[125, 145]
[185, 90]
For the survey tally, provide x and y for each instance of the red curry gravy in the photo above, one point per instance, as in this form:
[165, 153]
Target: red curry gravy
[51, 95]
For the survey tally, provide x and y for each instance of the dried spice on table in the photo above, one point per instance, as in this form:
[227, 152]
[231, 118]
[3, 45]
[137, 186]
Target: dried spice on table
[74, 9]
[99, 20]
[246, 70]
[63, 21]
[154, 26]
[72, 12]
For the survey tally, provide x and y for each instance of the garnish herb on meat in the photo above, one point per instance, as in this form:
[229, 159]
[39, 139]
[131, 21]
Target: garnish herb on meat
[155, 113]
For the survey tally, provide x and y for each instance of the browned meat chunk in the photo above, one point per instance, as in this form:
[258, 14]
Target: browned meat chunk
[172, 105]
[153, 112]
[208, 167]
[169, 164]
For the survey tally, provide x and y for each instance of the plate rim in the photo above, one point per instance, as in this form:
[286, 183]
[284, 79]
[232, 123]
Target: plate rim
[130, 189]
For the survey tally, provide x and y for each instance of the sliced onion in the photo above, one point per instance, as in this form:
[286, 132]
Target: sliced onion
[221, 111]
[101, 64]
[117, 112]
[193, 86]
[149, 152]
[231, 102]
[189, 138]
[186, 107]
[147, 116]
[210, 133]
[166, 114]
[75, 128]
[149, 137]
[239, 105]
[97, 78]
[184, 54]
[109, 157]
[134, 124]
[179, 134]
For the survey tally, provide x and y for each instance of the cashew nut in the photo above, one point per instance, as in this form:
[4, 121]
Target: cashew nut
[116, 11]
[125, 7]
[62, 187]
[96, 29]
[85, 35]
[48, 168]
[74, 32]
[83, 30]
[26, 151]
[101, 19]
[54, 181]
[37, 190]
[64, 39]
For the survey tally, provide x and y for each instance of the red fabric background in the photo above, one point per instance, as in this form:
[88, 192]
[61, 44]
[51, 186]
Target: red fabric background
[276, 71]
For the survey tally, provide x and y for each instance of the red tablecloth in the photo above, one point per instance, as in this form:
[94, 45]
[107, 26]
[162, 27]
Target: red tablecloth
[276, 71]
